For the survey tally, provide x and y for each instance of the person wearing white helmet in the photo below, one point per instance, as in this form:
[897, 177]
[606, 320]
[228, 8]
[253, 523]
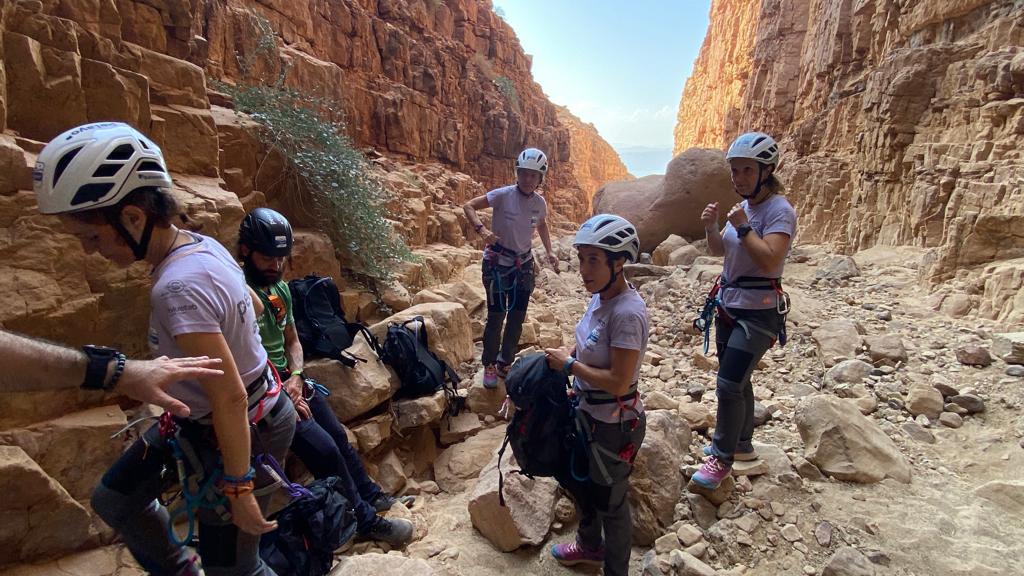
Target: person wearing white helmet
[110, 187]
[508, 263]
[749, 305]
[611, 340]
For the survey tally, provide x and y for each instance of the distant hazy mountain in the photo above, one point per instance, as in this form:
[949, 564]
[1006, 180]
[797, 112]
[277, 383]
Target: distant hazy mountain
[644, 160]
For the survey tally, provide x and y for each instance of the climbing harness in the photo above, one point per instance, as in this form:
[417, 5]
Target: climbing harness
[713, 305]
[500, 289]
[201, 487]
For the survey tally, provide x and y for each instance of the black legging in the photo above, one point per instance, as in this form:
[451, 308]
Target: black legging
[741, 342]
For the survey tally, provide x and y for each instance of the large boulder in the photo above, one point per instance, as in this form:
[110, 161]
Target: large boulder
[420, 411]
[1007, 494]
[449, 333]
[460, 463]
[1009, 347]
[671, 204]
[667, 246]
[355, 390]
[74, 450]
[847, 372]
[656, 482]
[846, 445]
[41, 520]
[837, 340]
[529, 506]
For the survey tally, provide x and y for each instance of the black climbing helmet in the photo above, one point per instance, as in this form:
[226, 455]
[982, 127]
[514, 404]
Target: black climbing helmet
[266, 231]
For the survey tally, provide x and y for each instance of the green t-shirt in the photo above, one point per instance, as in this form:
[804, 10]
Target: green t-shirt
[277, 314]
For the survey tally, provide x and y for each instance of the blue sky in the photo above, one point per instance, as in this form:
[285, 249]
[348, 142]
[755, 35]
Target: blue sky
[619, 65]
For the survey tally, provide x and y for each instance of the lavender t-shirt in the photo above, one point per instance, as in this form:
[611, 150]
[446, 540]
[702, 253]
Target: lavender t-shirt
[773, 216]
[619, 322]
[200, 288]
[516, 216]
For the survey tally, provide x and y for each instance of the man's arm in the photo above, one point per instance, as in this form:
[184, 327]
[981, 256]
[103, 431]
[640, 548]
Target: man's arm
[294, 383]
[32, 365]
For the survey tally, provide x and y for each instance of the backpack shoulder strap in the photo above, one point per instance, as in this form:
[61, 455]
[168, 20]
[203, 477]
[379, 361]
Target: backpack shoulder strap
[420, 332]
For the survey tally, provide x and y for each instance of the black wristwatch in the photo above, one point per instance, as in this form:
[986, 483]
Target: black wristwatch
[743, 229]
[96, 370]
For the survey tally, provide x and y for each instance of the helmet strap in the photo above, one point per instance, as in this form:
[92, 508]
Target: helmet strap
[760, 183]
[615, 276]
[140, 248]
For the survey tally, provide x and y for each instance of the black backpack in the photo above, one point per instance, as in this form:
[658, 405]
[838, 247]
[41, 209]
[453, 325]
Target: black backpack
[320, 321]
[541, 431]
[309, 530]
[419, 370]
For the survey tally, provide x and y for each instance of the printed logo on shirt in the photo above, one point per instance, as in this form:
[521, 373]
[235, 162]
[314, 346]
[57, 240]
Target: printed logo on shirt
[153, 339]
[594, 336]
[533, 221]
[242, 306]
[175, 286]
[181, 309]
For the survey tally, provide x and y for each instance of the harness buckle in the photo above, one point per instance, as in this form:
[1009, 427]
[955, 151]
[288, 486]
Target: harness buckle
[782, 302]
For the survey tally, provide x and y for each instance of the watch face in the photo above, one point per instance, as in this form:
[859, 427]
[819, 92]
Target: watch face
[99, 351]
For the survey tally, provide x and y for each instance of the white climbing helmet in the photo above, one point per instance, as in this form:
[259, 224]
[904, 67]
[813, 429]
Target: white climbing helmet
[532, 159]
[610, 232]
[96, 165]
[756, 146]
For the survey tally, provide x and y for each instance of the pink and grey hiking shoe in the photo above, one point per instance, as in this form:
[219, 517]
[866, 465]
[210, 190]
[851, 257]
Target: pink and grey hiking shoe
[490, 377]
[711, 473]
[573, 553]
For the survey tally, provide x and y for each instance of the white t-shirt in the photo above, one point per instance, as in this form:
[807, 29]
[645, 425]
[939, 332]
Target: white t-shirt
[619, 322]
[200, 288]
[516, 216]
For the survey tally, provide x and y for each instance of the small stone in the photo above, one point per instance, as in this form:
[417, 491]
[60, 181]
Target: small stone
[951, 420]
[756, 467]
[1015, 370]
[666, 544]
[884, 315]
[970, 402]
[823, 534]
[747, 522]
[807, 470]
[847, 561]
[878, 557]
[955, 408]
[698, 550]
[695, 392]
[689, 535]
[973, 355]
[791, 533]
[761, 414]
[810, 570]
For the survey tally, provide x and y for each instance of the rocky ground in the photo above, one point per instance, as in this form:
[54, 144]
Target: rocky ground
[890, 443]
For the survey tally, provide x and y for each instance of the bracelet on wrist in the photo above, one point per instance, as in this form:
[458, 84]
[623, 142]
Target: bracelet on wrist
[120, 360]
[567, 368]
[247, 477]
[237, 490]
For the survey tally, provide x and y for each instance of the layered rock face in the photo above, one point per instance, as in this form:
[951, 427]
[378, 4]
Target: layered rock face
[900, 122]
[594, 161]
[441, 91]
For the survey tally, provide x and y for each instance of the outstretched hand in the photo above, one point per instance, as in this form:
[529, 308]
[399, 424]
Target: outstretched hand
[147, 380]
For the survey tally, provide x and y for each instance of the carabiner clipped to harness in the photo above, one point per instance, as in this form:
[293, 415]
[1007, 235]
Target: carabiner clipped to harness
[707, 314]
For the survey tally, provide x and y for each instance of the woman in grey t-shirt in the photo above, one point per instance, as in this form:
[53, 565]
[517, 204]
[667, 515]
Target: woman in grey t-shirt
[110, 185]
[610, 342]
[751, 307]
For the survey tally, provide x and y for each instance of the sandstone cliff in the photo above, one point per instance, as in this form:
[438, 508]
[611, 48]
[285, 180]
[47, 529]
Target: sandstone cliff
[901, 122]
[594, 161]
[438, 93]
